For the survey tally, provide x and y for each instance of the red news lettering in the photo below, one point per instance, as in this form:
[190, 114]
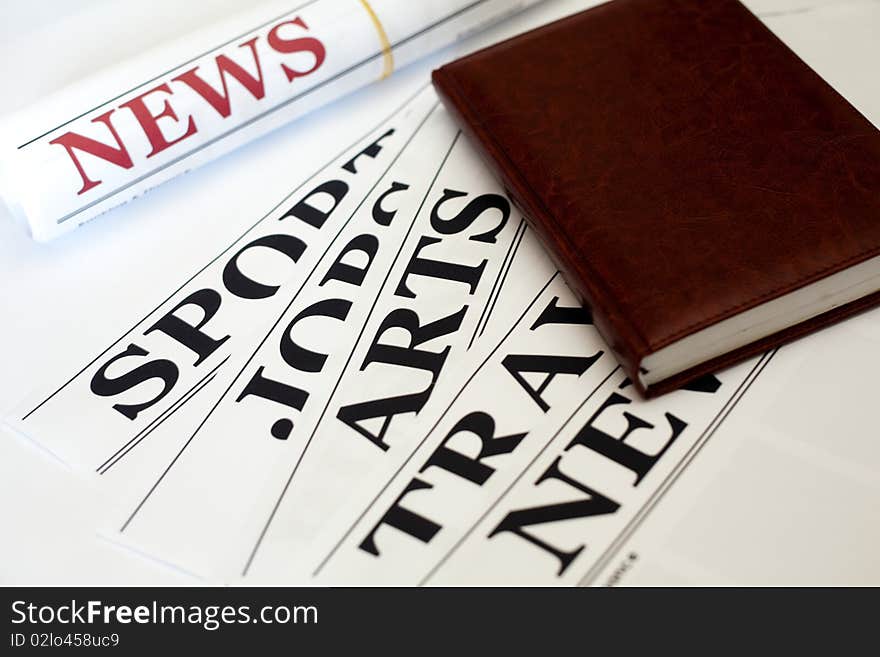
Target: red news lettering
[301, 44]
[119, 154]
[220, 102]
[150, 122]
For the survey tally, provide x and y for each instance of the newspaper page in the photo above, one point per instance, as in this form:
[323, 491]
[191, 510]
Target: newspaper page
[404, 339]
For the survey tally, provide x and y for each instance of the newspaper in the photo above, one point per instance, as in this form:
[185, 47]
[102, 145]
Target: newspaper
[143, 376]
[375, 278]
[112, 137]
[378, 352]
[534, 470]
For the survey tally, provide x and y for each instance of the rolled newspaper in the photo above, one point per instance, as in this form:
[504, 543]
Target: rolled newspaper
[111, 137]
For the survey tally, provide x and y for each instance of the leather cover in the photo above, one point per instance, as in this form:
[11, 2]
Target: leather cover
[680, 163]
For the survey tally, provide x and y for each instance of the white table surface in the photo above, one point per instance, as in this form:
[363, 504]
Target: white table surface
[827, 430]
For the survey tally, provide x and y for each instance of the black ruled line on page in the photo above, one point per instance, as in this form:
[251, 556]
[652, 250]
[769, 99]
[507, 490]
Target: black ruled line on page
[271, 110]
[120, 453]
[501, 271]
[277, 321]
[296, 190]
[433, 428]
[681, 466]
[308, 442]
[504, 278]
[513, 483]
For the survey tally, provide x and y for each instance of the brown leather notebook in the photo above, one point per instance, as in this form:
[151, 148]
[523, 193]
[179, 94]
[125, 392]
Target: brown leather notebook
[704, 191]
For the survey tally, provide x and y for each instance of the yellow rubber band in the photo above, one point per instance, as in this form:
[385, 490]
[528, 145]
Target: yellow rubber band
[388, 57]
